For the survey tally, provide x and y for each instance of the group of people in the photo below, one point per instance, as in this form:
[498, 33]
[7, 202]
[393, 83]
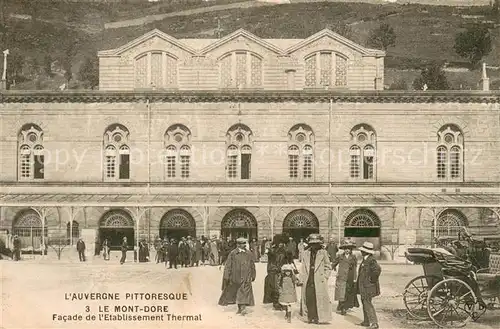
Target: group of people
[316, 264]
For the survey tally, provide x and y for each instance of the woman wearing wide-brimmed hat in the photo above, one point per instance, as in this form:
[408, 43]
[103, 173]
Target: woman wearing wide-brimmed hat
[316, 268]
[345, 288]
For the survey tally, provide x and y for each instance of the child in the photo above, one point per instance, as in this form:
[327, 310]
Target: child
[288, 281]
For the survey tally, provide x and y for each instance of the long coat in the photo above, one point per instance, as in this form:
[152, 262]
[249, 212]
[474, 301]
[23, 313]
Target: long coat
[346, 274]
[239, 273]
[368, 278]
[322, 270]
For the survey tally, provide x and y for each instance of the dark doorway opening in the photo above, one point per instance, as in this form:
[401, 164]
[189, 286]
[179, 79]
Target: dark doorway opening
[298, 233]
[115, 237]
[239, 223]
[176, 234]
[235, 233]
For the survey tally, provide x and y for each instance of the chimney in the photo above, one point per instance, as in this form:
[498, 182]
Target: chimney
[485, 81]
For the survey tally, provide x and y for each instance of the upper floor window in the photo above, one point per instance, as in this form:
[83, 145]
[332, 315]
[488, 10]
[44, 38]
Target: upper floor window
[155, 70]
[362, 153]
[325, 69]
[241, 69]
[178, 147]
[116, 153]
[300, 152]
[30, 153]
[449, 161]
[239, 152]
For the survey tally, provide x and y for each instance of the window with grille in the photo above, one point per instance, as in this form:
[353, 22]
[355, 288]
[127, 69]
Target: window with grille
[368, 157]
[354, 168]
[30, 153]
[442, 155]
[185, 156]
[455, 162]
[156, 70]
[325, 69]
[171, 163]
[308, 161]
[449, 157]
[240, 70]
[293, 162]
[232, 162]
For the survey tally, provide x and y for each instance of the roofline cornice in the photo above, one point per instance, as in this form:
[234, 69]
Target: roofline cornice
[250, 96]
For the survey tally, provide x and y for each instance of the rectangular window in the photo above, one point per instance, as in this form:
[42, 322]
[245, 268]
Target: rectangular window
[354, 166]
[232, 163]
[441, 164]
[185, 166]
[25, 166]
[307, 166]
[311, 71]
[245, 166]
[110, 166]
[124, 166]
[454, 164]
[170, 166]
[39, 170]
[293, 163]
[156, 71]
[368, 167]
[325, 69]
[241, 69]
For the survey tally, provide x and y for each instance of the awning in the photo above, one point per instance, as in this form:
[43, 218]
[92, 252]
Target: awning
[252, 200]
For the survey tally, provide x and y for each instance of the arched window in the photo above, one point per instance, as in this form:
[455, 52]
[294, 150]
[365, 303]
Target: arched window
[240, 69]
[301, 152]
[116, 153]
[449, 153]
[450, 222]
[325, 69]
[178, 147]
[362, 153]
[156, 69]
[239, 152]
[30, 153]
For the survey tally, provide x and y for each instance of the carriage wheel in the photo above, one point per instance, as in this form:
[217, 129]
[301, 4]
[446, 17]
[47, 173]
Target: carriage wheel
[415, 295]
[451, 303]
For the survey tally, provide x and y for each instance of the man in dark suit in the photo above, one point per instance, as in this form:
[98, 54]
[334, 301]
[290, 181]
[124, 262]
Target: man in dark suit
[124, 249]
[80, 247]
[172, 254]
[368, 285]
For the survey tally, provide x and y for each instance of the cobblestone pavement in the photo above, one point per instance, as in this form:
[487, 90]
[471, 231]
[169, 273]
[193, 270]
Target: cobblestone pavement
[34, 290]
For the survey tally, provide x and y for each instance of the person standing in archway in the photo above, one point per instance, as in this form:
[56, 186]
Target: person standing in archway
[301, 247]
[124, 248]
[316, 267]
[80, 247]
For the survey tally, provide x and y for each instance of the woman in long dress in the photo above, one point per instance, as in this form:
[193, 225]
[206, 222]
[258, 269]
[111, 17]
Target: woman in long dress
[214, 252]
[345, 290]
[315, 303]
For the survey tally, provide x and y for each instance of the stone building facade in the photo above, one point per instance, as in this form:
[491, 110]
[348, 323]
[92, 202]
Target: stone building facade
[243, 136]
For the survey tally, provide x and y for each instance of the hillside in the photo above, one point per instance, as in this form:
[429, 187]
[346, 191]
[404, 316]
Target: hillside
[424, 33]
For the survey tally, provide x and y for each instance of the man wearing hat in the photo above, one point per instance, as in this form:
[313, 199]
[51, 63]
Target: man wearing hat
[368, 284]
[239, 273]
[345, 290]
[17, 248]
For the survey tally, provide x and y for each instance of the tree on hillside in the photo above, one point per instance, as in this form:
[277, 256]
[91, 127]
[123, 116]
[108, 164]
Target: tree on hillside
[69, 51]
[47, 65]
[473, 44]
[89, 72]
[382, 37]
[433, 77]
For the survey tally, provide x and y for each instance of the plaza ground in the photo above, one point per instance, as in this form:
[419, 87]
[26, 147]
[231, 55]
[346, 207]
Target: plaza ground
[35, 289]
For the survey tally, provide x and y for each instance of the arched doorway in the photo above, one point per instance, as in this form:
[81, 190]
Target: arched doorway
[177, 223]
[114, 225]
[239, 223]
[27, 226]
[363, 225]
[449, 223]
[300, 223]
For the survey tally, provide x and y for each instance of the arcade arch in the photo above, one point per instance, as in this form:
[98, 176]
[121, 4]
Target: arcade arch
[363, 225]
[300, 223]
[177, 223]
[239, 223]
[114, 225]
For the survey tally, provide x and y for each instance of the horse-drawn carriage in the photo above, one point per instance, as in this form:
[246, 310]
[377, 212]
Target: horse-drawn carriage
[456, 287]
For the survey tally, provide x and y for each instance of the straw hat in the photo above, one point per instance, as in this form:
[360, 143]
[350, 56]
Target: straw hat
[314, 238]
[241, 240]
[367, 247]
